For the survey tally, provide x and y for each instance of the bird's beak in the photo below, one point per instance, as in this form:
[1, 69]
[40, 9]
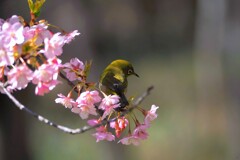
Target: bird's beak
[136, 74]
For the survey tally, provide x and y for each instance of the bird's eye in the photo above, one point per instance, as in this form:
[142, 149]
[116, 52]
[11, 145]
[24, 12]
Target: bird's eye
[130, 71]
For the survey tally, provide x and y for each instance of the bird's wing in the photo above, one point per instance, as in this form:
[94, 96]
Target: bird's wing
[111, 82]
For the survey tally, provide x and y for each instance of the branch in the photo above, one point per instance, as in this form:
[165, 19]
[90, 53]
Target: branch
[66, 129]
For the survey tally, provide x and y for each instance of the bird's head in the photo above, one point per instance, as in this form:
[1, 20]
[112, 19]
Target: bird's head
[125, 66]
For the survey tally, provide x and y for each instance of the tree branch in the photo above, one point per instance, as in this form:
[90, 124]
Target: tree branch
[64, 128]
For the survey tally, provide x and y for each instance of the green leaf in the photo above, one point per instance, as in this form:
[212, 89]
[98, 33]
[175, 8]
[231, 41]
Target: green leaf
[35, 7]
[30, 4]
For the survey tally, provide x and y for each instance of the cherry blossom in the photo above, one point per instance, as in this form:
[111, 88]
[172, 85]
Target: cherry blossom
[119, 125]
[84, 110]
[93, 122]
[6, 57]
[70, 36]
[138, 134]
[140, 131]
[19, 77]
[108, 104]
[85, 104]
[131, 139]
[38, 31]
[46, 77]
[45, 73]
[73, 68]
[103, 134]
[89, 98]
[11, 32]
[45, 87]
[65, 101]
[151, 115]
[53, 46]
[13, 19]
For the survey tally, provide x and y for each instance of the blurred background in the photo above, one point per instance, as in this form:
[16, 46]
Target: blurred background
[188, 49]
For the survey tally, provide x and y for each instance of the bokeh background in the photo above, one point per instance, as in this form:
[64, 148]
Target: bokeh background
[188, 49]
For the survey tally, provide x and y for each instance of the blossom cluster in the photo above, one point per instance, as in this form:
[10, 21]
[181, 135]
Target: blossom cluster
[90, 101]
[30, 54]
[84, 105]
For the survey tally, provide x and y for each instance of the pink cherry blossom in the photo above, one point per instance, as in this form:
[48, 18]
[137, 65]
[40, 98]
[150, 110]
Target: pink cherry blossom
[44, 73]
[38, 31]
[131, 139]
[65, 101]
[53, 46]
[41, 89]
[13, 19]
[76, 109]
[103, 134]
[70, 36]
[75, 66]
[108, 104]
[19, 77]
[11, 32]
[89, 98]
[6, 57]
[93, 122]
[55, 62]
[84, 110]
[85, 104]
[47, 72]
[119, 125]
[46, 76]
[140, 131]
[122, 122]
[45, 87]
[151, 115]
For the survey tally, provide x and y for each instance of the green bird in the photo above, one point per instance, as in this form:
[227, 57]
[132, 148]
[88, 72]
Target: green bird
[113, 80]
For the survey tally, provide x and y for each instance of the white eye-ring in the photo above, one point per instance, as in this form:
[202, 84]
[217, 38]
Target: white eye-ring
[130, 71]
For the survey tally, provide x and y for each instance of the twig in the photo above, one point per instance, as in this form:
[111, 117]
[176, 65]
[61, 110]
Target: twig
[66, 129]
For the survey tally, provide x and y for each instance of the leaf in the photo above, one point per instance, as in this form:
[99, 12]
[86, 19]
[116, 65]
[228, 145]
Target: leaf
[30, 4]
[35, 7]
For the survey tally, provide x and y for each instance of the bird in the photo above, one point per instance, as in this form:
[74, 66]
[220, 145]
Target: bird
[113, 80]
